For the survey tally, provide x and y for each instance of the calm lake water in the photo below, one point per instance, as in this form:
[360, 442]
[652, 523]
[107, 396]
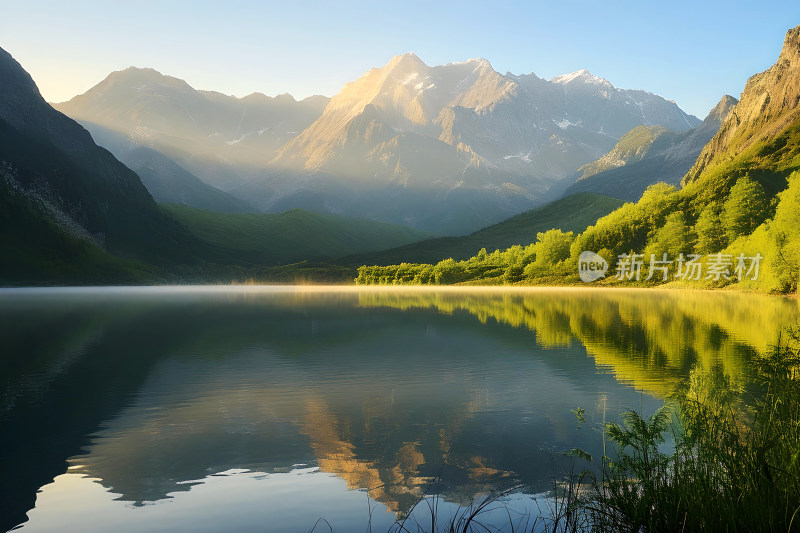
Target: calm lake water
[270, 408]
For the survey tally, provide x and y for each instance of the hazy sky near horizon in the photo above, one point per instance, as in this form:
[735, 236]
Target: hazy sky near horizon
[690, 51]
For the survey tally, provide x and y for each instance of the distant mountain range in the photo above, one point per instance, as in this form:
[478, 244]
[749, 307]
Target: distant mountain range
[448, 148]
[648, 154]
[164, 178]
[218, 138]
[70, 212]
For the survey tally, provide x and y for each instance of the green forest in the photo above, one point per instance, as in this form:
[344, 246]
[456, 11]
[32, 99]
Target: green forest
[746, 237]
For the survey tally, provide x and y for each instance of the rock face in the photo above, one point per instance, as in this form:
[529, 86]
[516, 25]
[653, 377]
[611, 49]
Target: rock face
[769, 107]
[647, 155]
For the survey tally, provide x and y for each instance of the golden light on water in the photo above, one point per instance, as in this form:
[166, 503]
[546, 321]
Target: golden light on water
[646, 337]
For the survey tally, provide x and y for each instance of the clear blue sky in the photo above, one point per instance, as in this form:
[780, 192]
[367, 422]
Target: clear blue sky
[689, 51]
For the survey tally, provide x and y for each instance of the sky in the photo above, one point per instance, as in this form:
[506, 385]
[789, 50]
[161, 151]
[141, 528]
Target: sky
[692, 52]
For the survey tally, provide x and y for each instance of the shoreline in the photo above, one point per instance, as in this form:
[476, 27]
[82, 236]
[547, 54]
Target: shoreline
[353, 288]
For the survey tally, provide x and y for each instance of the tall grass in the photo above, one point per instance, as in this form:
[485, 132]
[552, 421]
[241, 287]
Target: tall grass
[560, 511]
[736, 464]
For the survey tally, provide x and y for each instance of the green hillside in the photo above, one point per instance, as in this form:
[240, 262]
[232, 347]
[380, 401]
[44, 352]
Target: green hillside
[573, 213]
[747, 205]
[713, 220]
[769, 161]
[36, 251]
[292, 236]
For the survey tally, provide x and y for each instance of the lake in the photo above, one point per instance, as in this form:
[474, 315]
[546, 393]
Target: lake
[297, 408]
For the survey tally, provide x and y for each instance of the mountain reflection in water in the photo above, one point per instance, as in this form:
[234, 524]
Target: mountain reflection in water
[397, 392]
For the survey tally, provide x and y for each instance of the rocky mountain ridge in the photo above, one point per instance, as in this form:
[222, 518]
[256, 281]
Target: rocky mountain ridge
[768, 109]
[649, 154]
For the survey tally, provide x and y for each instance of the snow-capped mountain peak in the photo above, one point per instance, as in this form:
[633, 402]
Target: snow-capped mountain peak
[583, 76]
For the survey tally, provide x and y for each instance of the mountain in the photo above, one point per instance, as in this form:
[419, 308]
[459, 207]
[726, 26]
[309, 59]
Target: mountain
[169, 182]
[463, 128]
[42, 245]
[220, 139]
[70, 212]
[649, 154]
[637, 144]
[761, 135]
[474, 109]
[740, 199]
[624, 109]
[165, 179]
[573, 213]
[54, 172]
[448, 148]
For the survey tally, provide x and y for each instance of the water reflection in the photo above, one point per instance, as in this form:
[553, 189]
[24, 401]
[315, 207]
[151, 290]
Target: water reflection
[648, 338]
[150, 392]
